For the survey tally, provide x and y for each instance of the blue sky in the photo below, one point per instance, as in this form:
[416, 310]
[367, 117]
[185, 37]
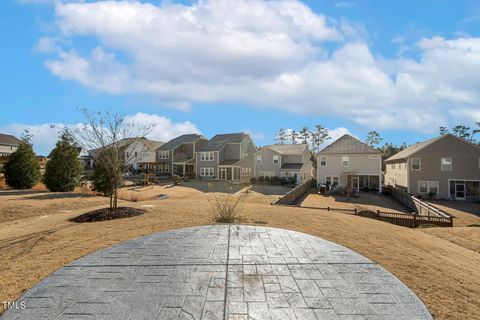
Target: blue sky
[399, 67]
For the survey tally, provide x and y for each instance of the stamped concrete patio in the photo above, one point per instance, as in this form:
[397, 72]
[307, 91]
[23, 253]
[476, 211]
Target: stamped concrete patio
[222, 272]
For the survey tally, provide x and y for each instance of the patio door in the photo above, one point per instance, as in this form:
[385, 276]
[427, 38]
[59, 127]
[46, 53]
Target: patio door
[460, 190]
[223, 173]
[356, 183]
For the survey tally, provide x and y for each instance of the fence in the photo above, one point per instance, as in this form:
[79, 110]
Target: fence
[399, 219]
[292, 196]
[415, 204]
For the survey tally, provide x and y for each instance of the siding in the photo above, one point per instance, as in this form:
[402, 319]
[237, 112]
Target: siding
[361, 163]
[397, 176]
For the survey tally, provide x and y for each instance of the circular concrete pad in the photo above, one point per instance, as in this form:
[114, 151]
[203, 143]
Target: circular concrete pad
[222, 272]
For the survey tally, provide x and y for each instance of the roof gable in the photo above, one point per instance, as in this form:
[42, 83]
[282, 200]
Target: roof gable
[176, 142]
[347, 144]
[10, 140]
[298, 149]
[220, 140]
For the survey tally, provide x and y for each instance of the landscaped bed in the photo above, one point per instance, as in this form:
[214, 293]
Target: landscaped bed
[106, 214]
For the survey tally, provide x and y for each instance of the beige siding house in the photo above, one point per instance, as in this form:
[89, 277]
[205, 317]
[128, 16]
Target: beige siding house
[177, 156]
[286, 160]
[350, 156]
[140, 154]
[8, 145]
[444, 167]
[227, 157]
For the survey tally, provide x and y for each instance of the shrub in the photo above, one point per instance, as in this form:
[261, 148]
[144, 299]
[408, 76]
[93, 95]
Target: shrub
[284, 181]
[261, 179]
[267, 179]
[22, 170]
[176, 179]
[253, 180]
[274, 180]
[292, 180]
[102, 181]
[63, 171]
[226, 207]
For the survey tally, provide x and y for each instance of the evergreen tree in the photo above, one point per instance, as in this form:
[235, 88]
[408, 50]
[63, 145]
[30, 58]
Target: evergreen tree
[319, 136]
[373, 138]
[293, 136]
[22, 170]
[304, 135]
[281, 136]
[63, 171]
[443, 130]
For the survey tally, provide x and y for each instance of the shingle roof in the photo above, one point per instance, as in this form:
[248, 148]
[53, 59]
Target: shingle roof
[228, 162]
[152, 145]
[176, 142]
[288, 148]
[410, 150]
[219, 140]
[291, 166]
[347, 144]
[10, 140]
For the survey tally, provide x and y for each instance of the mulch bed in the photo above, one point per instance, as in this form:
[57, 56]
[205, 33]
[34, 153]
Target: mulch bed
[105, 215]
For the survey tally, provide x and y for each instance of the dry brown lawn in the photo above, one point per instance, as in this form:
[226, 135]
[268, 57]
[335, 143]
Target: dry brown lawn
[466, 213]
[445, 274]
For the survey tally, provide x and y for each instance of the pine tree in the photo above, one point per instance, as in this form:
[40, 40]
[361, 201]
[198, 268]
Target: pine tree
[373, 138]
[63, 171]
[319, 136]
[304, 135]
[22, 170]
[293, 136]
[281, 136]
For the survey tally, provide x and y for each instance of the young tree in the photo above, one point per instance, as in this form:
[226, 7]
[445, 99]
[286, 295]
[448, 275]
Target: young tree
[373, 138]
[281, 136]
[22, 170]
[107, 135]
[63, 171]
[293, 136]
[319, 136]
[304, 135]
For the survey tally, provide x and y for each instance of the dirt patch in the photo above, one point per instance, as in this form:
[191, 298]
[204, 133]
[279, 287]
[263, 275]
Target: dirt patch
[443, 273]
[105, 214]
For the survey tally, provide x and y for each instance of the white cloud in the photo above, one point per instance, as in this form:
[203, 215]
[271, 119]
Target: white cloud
[45, 135]
[268, 54]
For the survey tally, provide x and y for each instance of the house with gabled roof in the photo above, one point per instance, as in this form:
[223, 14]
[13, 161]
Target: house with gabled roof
[284, 161]
[444, 167]
[227, 157]
[177, 156]
[348, 156]
[8, 145]
[141, 154]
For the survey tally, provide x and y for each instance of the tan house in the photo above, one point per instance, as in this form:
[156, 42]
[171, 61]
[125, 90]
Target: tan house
[177, 156]
[140, 154]
[284, 161]
[227, 157]
[444, 167]
[348, 156]
[8, 145]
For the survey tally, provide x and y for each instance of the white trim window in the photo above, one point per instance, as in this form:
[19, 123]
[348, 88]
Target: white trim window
[446, 164]
[207, 156]
[428, 187]
[267, 174]
[163, 154]
[323, 161]
[416, 164]
[332, 180]
[259, 159]
[345, 161]
[276, 159]
[393, 165]
[206, 172]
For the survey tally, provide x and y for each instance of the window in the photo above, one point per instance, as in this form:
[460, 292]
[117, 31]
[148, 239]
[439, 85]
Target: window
[163, 155]
[267, 174]
[416, 164]
[206, 172]
[128, 154]
[332, 180]
[345, 161]
[275, 159]
[259, 159]
[428, 187]
[206, 156]
[323, 161]
[393, 165]
[373, 156]
[446, 164]
[135, 154]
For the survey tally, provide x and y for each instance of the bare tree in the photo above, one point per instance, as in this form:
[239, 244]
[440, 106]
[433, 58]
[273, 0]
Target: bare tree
[106, 135]
[348, 179]
[227, 206]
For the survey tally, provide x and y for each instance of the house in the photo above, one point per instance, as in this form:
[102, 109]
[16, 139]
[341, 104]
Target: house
[349, 158]
[284, 161]
[444, 167]
[8, 145]
[140, 154]
[227, 157]
[177, 156]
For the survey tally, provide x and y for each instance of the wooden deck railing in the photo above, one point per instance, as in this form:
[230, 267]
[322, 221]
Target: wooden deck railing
[292, 196]
[397, 218]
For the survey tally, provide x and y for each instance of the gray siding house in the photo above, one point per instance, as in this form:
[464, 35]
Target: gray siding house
[226, 157]
[286, 160]
[8, 145]
[177, 156]
[350, 156]
[445, 167]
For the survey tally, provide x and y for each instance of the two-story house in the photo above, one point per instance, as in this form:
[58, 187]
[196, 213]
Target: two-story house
[8, 145]
[140, 154]
[349, 157]
[284, 161]
[177, 156]
[227, 157]
[444, 167]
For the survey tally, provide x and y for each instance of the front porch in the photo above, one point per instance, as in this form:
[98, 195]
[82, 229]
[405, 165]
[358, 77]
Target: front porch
[184, 169]
[229, 173]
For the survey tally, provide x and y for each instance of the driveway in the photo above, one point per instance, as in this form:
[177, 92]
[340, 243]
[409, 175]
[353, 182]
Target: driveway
[222, 272]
